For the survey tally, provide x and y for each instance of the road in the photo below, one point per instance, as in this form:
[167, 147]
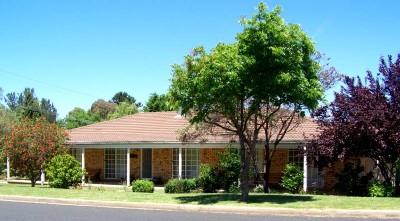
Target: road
[50, 212]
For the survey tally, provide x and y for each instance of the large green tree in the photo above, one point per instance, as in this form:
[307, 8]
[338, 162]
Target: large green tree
[284, 73]
[31, 144]
[262, 83]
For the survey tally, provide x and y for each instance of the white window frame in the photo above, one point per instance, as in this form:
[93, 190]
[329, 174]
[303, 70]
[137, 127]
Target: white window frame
[120, 163]
[315, 176]
[190, 163]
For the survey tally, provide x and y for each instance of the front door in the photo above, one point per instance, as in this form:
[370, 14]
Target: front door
[147, 158]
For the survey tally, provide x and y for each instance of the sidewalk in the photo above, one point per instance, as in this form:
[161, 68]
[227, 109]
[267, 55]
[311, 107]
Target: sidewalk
[383, 214]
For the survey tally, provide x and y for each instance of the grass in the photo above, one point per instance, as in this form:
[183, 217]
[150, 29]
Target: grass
[222, 199]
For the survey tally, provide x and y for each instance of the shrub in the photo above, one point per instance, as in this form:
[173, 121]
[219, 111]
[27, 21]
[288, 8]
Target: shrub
[350, 182]
[64, 171]
[235, 187]
[292, 178]
[180, 186]
[380, 189]
[143, 186]
[189, 185]
[208, 179]
[228, 168]
[173, 186]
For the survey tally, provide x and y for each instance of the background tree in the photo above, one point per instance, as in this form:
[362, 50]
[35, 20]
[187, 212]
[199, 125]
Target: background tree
[124, 97]
[162, 102]
[102, 107]
[26, 104]
[264, 82]
[79, 118]
[124, 109]
[363, 121]
[31, 144]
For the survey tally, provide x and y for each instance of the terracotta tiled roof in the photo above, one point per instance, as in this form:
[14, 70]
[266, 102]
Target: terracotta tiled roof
[155, 127]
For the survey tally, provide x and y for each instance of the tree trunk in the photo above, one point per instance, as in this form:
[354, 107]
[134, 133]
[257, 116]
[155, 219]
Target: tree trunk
[266, 175]
[267, 168]
[33, 182]
[244, 173]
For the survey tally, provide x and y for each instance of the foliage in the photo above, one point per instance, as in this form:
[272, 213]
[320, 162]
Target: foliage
[180, 185]
[380, 189]
[350, 182]
[363, 121]
[208, 181]
[64, 171]
[143, 186]
[228, 168]
[123, 109]
[79, 117]
[121, 97]
[292, 178]
[27, 105]
[234, 187]
[31, 144]
[244, 86]
[258, 189]
[162, 102]
[102, 107]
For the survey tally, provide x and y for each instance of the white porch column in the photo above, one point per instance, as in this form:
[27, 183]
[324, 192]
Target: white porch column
[8, 168]
[305, 171]
[128, 167]
[83, 164]
[180, 163]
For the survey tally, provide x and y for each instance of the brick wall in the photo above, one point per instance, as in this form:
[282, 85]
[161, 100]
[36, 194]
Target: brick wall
[209, 156]
[94, 161]
[162, 164]
[279, 161]
[135, 163]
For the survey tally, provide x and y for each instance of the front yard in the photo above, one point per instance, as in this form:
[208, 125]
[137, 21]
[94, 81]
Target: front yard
[222, 199]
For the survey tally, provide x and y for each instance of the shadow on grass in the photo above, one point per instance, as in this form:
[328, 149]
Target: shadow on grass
[209, 199]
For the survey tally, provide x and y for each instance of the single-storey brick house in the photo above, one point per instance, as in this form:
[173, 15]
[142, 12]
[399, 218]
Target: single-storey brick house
[146, 145]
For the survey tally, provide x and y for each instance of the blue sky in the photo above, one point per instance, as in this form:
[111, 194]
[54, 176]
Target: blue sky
[75, 52]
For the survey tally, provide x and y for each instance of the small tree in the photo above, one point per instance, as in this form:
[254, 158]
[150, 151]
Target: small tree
[31, 144]
[64, 171]
[363, 121]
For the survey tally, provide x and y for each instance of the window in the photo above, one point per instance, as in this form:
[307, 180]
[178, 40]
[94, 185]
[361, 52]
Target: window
[295, 158]
[315, 177]
[260, 160]
[115, 163]
[190, 163]
[77, 153]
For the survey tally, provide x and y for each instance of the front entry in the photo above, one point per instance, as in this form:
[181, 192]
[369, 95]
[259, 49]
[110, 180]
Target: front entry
[147, 158]
[115, 164]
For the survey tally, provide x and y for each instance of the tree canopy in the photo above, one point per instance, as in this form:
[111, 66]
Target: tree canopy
[31, 144]
[26, 104]
[242, 87]
[120, 97]
[162, 102]
[363, 121]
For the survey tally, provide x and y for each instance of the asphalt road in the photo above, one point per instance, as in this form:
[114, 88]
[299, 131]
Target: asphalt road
[49, 212]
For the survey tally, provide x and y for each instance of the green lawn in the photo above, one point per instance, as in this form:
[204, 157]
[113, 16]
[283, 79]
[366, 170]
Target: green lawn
[256, 199]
